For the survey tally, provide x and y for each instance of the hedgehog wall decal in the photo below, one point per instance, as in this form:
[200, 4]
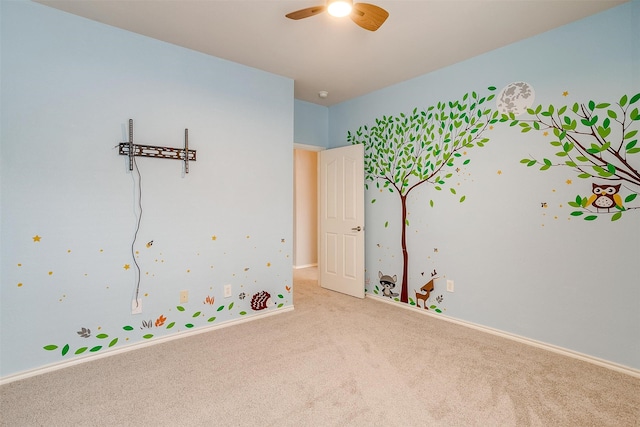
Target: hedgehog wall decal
[261, 300]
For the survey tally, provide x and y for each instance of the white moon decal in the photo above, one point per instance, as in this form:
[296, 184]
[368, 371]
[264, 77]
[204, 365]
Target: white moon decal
[515, 98]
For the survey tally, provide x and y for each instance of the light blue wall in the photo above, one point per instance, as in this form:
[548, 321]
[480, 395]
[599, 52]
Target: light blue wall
[311, 124]
[518, 267]
[69, 86]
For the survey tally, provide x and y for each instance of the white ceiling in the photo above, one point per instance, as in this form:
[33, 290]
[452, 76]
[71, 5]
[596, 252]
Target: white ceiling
[333, 54]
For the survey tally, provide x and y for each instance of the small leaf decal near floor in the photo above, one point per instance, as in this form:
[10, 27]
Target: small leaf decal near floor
[160, 321]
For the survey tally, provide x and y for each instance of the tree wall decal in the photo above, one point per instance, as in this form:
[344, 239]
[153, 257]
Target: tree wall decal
[597, 141]
[423, 148]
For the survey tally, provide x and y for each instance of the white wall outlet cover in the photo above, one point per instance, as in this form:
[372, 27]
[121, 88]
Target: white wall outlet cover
[449, 285]
[184, 296]
[136, 306]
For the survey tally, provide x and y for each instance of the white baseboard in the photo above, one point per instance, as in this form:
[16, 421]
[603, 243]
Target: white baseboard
[524, 340]
[136, 346]
[297, 267]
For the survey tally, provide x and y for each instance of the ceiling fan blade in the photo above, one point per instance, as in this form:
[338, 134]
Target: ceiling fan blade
[305, 13]
[368, 16]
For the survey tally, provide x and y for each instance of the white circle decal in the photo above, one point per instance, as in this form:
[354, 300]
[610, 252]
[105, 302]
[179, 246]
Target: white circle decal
[515, 98]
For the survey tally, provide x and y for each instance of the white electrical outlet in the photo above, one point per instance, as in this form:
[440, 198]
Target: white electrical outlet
[136, 306]
[449, 285]
[227, 291]
[184, 296]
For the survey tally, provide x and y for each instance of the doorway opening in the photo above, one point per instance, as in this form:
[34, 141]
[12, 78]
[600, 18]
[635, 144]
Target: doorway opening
[305, 208]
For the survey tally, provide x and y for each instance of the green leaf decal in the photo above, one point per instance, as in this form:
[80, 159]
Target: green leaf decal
[50, 347]
[242, 313]
[280, 296]
[102, 336]
[211, 319]
[189, 325]
[113, 342]
[180, 308]
[147, 336]
[81, 350]
[616, 216]
[65, 349]
[630, 198]
[196, 314]
[280, 305]
[220, 308]
[96, 348]
[171, 325]
[623, 100]
[590, 217]
[128, 328]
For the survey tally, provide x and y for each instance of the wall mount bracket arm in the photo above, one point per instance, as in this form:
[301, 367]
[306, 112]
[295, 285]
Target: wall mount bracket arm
[130, 149]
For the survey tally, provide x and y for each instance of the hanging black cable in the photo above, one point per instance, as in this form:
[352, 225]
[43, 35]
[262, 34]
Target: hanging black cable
[135, 235]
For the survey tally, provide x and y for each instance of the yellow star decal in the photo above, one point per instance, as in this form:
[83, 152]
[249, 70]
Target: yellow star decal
[214, 237]
[569, 182]
[565, 93]
[126, 266]
[36, 238]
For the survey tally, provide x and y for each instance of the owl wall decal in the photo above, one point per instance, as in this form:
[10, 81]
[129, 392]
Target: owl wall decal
[605, 197]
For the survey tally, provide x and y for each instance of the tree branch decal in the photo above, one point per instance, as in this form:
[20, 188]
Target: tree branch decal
[597, 141]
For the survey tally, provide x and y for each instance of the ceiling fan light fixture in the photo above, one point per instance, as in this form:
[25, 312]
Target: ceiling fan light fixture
[339, 8]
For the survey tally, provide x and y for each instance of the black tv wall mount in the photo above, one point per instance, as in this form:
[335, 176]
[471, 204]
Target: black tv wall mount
[130, 149]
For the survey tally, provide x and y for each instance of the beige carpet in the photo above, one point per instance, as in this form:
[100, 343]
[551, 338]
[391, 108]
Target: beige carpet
[333, 361]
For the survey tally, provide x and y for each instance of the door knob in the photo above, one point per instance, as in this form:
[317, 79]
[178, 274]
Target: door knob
[358, 228]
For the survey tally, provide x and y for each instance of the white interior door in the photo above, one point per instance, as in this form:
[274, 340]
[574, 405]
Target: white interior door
[341, 220]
